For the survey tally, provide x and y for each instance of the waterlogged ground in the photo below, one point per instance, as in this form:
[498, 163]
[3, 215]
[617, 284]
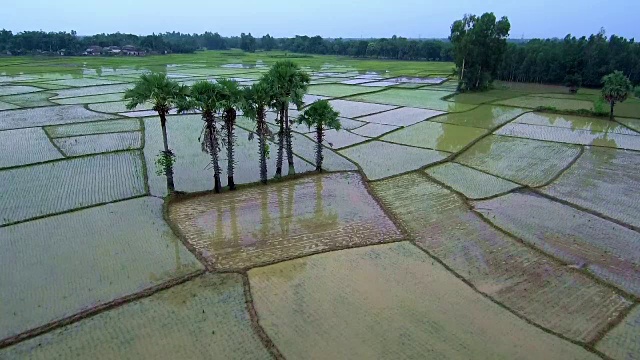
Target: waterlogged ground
[444, 226]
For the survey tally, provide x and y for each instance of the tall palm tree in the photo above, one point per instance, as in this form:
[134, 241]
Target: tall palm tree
[231, 100]
[321, 116]
[289, 85]
[256, 99]
[206, 98]
[164, 94]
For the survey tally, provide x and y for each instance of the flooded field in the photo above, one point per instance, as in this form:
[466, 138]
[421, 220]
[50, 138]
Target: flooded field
[443, 223]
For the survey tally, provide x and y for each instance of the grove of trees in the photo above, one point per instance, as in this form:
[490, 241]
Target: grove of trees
[586, 58]
[479, 43]
[218, 103]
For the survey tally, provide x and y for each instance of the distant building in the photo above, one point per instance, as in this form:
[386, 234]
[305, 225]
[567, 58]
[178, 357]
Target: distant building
[93, 50]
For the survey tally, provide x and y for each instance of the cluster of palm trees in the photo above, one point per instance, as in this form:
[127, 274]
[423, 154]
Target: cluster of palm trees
[219, 103]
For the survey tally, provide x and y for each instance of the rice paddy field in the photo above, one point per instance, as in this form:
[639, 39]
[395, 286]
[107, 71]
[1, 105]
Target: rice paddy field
[444, 225]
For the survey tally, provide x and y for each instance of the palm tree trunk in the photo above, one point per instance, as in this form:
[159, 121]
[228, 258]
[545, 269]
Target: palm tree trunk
[292, 169]
[230, 116]
[280, 145]
[611, 113]
[262, 146]
[319, 157]
[168, 170]
[213, 148]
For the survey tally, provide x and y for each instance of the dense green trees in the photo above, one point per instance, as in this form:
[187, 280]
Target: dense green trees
[616, 88]
[163, 94]
[552, 60]
[321, 116]
[479, 44]
[247, 42]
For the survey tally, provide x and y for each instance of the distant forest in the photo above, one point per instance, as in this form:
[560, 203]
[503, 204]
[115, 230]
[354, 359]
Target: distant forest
[536, 60]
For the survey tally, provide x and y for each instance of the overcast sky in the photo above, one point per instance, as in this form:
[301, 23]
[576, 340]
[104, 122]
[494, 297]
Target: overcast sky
[328, 18]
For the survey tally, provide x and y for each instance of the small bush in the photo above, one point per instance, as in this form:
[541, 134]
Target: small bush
[600, 107]
[636, 91]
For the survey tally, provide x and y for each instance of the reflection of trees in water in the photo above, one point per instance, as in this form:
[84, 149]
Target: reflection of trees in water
[319, 220]
[265, 217]
[235, 234]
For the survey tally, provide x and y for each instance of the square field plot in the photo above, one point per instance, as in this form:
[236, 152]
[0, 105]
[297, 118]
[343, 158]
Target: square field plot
[472, 183]
[610, 251]
[527, 162]
[414, 98]
[90, 99]
[575, 123]
[402, 116]
[205, 318]
[374, 130]
[64, 185]
[253, 227]
[436, 136]
[61, 265]
[94, 90]
[100, 143]
[352, 109]
[570, 136]
[25, 146]
[82, 82]
[484, 116]
[533, 102]
[381, 159]
[339, 139]
[386, 302]
[623, 341]
[91, 128]
[7, 106]
[338, 90]
[118, 107]
[17, 89]
[605, 181]
[35, 99]
[498, 265]
[53, 115]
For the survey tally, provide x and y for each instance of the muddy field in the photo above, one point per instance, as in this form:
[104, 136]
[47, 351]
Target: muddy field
[445, 224]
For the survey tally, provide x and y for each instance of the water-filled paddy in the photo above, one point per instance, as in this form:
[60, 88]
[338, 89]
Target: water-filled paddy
[25, 146]
[64, 264]
[450, 174]
[424, 309]
[497, 264]
[524, 161]
[287, 220]
[436, 136]
[381, 159]
[204, 318]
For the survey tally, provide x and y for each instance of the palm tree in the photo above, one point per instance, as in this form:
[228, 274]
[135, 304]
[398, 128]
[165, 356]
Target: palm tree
[164, 94]
[616, 88]
[322, 116]
[230, 101]
[206, 98]
[256, 99]
[289, 85]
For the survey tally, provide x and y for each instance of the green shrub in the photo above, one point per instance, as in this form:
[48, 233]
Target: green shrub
[636, 91]
[600, 107]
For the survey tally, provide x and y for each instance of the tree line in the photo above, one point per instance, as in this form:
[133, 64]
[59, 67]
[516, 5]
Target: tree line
[219, 102]
[583, 60]
[399, 48]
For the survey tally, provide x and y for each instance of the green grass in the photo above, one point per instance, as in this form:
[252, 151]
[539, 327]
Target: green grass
[75, 66]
